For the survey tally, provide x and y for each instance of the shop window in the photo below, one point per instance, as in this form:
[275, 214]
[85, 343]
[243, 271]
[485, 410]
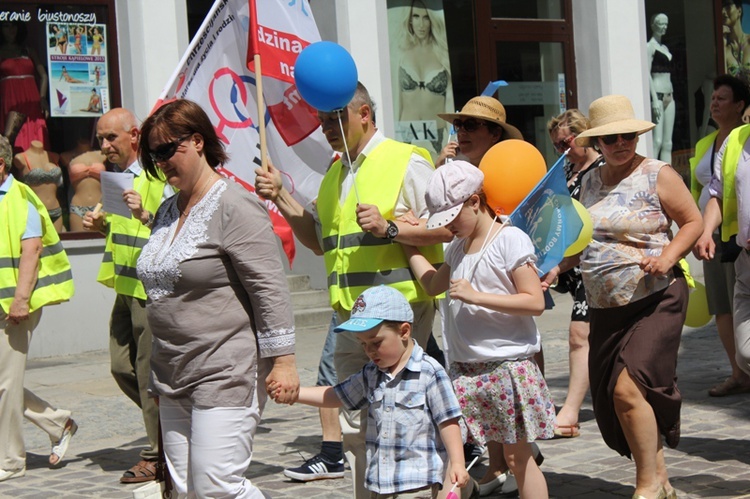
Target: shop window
[58, 74]
[525, 9]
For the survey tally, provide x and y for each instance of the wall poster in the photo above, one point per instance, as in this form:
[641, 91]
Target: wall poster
[77, 62]
[420, 69]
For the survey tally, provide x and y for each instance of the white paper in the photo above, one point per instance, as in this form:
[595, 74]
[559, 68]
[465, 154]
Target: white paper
[113, 185]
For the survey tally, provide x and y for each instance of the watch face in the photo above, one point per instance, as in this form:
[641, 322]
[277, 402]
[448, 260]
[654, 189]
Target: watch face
[392, 230]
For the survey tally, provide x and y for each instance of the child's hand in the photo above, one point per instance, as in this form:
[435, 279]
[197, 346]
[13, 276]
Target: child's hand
[273, 390]
[460, 289]
[459, 474]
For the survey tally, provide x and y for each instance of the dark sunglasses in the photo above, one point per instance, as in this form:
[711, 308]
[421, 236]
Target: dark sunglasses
[611, 139]
[469, 125]
[564, 144]
[165, 151]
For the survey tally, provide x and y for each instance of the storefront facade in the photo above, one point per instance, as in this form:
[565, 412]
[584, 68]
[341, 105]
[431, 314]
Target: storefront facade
[553, 54]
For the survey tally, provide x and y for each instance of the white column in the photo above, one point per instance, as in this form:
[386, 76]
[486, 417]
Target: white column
[152, 36]
[363, 29]
[610, 48]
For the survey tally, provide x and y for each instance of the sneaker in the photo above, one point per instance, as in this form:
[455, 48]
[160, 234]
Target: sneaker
[510, 485]
[316, 468]
[471, 451]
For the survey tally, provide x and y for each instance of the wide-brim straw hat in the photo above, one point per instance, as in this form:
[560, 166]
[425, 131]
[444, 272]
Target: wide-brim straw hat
[488, 109]
[609, 115]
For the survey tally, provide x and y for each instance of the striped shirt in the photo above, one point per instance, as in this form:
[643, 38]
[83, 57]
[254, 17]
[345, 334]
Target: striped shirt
[404, 449]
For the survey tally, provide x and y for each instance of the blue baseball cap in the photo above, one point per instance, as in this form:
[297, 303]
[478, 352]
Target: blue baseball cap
[375, 305]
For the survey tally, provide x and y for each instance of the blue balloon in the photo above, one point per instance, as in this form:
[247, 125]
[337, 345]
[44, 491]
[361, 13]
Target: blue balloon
[326, 76]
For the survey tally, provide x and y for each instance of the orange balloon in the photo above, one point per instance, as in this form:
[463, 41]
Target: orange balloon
[512, 168]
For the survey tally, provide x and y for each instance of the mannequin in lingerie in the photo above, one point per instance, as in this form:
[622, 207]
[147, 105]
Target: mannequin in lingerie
[37, 168]
[84, 171]
[662, 93]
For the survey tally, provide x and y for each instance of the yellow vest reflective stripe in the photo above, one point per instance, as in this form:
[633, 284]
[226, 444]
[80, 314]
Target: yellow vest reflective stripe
[701, 148]
[356, 260]
[54, 280]
[126, 239]
[735, 144]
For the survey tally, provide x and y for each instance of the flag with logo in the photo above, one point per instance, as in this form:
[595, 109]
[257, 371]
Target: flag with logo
[549, 218]
[217, 72]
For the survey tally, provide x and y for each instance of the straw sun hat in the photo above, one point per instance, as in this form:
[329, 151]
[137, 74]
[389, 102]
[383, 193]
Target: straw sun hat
[488, 109]
[609, 115]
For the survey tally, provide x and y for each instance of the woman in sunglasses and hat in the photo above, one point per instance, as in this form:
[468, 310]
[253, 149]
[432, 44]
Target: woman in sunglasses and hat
[479, 125]
[636, 292]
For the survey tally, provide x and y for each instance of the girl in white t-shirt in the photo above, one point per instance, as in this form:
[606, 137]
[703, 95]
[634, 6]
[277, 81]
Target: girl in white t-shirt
[494, 292]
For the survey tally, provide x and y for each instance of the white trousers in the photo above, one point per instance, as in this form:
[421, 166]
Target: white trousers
[742, 310]
[208, 449]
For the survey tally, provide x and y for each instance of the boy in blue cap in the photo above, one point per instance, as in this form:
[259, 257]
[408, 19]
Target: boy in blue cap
[412, 417]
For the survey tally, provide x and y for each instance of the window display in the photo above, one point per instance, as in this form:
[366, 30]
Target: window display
[56, 71]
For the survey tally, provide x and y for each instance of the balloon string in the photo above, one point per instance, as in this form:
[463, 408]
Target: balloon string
[485, 245]
[348, 157]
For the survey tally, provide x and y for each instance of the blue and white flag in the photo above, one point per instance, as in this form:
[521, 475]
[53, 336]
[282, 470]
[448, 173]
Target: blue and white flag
[548, 217]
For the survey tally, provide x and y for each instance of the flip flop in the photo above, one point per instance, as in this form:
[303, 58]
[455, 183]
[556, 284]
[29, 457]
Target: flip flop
[567, 431]
[60, 447]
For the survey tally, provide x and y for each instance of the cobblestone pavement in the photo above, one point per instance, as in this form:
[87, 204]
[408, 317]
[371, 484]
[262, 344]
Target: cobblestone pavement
[711, 461]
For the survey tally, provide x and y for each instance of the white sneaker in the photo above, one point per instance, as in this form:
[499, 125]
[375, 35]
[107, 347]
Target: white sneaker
[490, 487]
[8, 474]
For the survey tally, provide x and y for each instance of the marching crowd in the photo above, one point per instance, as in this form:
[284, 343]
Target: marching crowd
[202, 331]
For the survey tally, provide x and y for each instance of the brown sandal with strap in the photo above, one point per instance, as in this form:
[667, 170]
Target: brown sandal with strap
[144, 471]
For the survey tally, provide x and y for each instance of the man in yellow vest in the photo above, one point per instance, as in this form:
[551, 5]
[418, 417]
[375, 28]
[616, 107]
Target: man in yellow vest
[129, 332]
[729, 207]
[355, 225]
[34, 272]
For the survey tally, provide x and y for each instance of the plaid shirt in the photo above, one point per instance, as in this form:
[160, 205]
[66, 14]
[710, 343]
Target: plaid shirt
[404, 449]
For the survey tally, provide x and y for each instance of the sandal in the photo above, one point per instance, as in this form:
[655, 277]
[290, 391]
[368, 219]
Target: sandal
[567, 431]
[730, 386]
[144, 471]
[60, 447]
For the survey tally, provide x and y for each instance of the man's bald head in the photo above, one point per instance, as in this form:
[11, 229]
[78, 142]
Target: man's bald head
[117, 133]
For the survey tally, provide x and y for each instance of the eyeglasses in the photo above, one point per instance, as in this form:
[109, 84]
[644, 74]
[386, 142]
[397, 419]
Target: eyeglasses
[564, 144]
[165, 151]
[469, 125]
[611, 139]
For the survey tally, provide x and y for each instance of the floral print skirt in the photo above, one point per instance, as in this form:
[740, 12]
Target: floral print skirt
[506, 402]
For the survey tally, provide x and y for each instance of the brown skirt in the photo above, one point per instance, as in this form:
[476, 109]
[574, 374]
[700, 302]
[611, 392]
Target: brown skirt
[644, 338]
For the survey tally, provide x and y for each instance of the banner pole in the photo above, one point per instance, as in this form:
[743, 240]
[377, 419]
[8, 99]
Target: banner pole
[261, 113]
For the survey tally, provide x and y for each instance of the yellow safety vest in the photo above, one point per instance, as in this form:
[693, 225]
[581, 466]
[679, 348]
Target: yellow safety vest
[735, 143]
[701, 148]
[54, 280]
[356, 260]
[126, 239]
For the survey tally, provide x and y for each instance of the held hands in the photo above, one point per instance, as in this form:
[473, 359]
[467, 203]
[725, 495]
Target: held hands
[657, 266]
[370, 219]
[282, 383]
[449, 152]
[460, 289]
[268, 184]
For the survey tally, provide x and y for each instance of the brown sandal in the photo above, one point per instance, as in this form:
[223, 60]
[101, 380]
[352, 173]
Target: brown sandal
[144, 471]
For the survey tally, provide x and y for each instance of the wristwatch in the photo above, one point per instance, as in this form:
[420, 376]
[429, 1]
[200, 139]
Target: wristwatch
[391, 231]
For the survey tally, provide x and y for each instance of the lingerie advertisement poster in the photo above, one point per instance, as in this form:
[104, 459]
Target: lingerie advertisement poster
[421, 75]
[76, 64]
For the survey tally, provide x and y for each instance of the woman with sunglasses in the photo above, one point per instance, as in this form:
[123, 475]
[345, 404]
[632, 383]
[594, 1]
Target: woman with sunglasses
[219, 308]
[729, 100]
[563, 130]
[636, 292]
[478, 126]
